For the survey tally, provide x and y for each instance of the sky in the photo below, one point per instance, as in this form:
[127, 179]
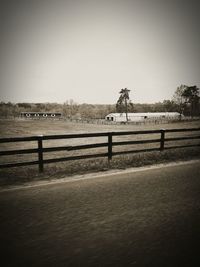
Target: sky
[87, 50]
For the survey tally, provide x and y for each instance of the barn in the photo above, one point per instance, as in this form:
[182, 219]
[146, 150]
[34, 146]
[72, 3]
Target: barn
[121, 117]
[37, 115]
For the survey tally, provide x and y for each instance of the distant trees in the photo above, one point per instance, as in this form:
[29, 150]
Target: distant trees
[24, 105]
[187, 100]
[169, 106]
[70, 108]
[124, 103]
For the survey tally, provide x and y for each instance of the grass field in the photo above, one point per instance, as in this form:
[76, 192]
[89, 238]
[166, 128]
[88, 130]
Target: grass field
[22, 128]
[16, 127]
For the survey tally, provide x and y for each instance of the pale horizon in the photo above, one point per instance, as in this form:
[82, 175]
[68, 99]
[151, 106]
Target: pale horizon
[54, 51]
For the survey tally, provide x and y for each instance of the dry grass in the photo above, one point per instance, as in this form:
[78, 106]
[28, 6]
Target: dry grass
[63, 169]
[9, 128]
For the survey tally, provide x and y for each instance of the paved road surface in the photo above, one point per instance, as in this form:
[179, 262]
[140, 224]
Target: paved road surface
[146, 218]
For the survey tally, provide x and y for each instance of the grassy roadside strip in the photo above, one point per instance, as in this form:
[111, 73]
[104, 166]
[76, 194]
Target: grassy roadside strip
[22, 175]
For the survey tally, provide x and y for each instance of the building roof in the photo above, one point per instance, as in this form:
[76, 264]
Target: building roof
[40, 112]
[137, 114]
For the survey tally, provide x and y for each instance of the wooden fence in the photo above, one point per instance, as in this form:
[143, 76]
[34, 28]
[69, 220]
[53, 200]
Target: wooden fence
[109, 144]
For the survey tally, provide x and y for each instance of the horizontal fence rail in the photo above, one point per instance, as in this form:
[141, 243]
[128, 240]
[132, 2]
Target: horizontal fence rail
[109, 145]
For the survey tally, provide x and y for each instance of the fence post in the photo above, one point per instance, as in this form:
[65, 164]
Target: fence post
[162, 139]
[109, 146]
[40, 153]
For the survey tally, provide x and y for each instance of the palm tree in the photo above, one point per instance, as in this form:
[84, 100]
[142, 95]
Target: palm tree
[124, 97]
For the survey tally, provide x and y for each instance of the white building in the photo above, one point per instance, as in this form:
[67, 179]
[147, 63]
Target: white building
[121, 117]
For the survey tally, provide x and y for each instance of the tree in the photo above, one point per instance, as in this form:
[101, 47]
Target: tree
[178, 98]
[187, 99]
[123, 102]
[169, 106]
[191, 96]
[70, 108]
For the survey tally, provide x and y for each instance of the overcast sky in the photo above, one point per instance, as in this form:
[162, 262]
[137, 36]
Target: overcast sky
[87, 50]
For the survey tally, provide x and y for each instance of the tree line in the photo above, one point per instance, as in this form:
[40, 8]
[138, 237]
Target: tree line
[186, 100]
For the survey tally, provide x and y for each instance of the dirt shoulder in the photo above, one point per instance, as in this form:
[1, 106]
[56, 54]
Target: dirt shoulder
[26, 175]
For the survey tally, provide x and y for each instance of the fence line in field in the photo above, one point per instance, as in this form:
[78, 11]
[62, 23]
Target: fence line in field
[140, 122]
[40, 150]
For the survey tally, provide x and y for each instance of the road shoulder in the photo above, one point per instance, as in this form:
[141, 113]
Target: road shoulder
[96, 175]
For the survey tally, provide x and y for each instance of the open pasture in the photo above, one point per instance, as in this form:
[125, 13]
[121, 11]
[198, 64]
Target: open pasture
[18, 127]
[23, 128]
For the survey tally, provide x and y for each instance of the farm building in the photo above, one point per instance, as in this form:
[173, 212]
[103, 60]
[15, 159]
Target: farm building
[38, 115]
[121, 117]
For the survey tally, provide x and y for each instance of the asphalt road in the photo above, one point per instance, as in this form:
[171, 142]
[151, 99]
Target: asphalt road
[145, 218]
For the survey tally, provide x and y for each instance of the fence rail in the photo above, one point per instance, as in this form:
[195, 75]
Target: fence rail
[40, 150]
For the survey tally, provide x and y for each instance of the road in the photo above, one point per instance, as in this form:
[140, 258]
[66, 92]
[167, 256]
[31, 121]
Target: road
[145, 218]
